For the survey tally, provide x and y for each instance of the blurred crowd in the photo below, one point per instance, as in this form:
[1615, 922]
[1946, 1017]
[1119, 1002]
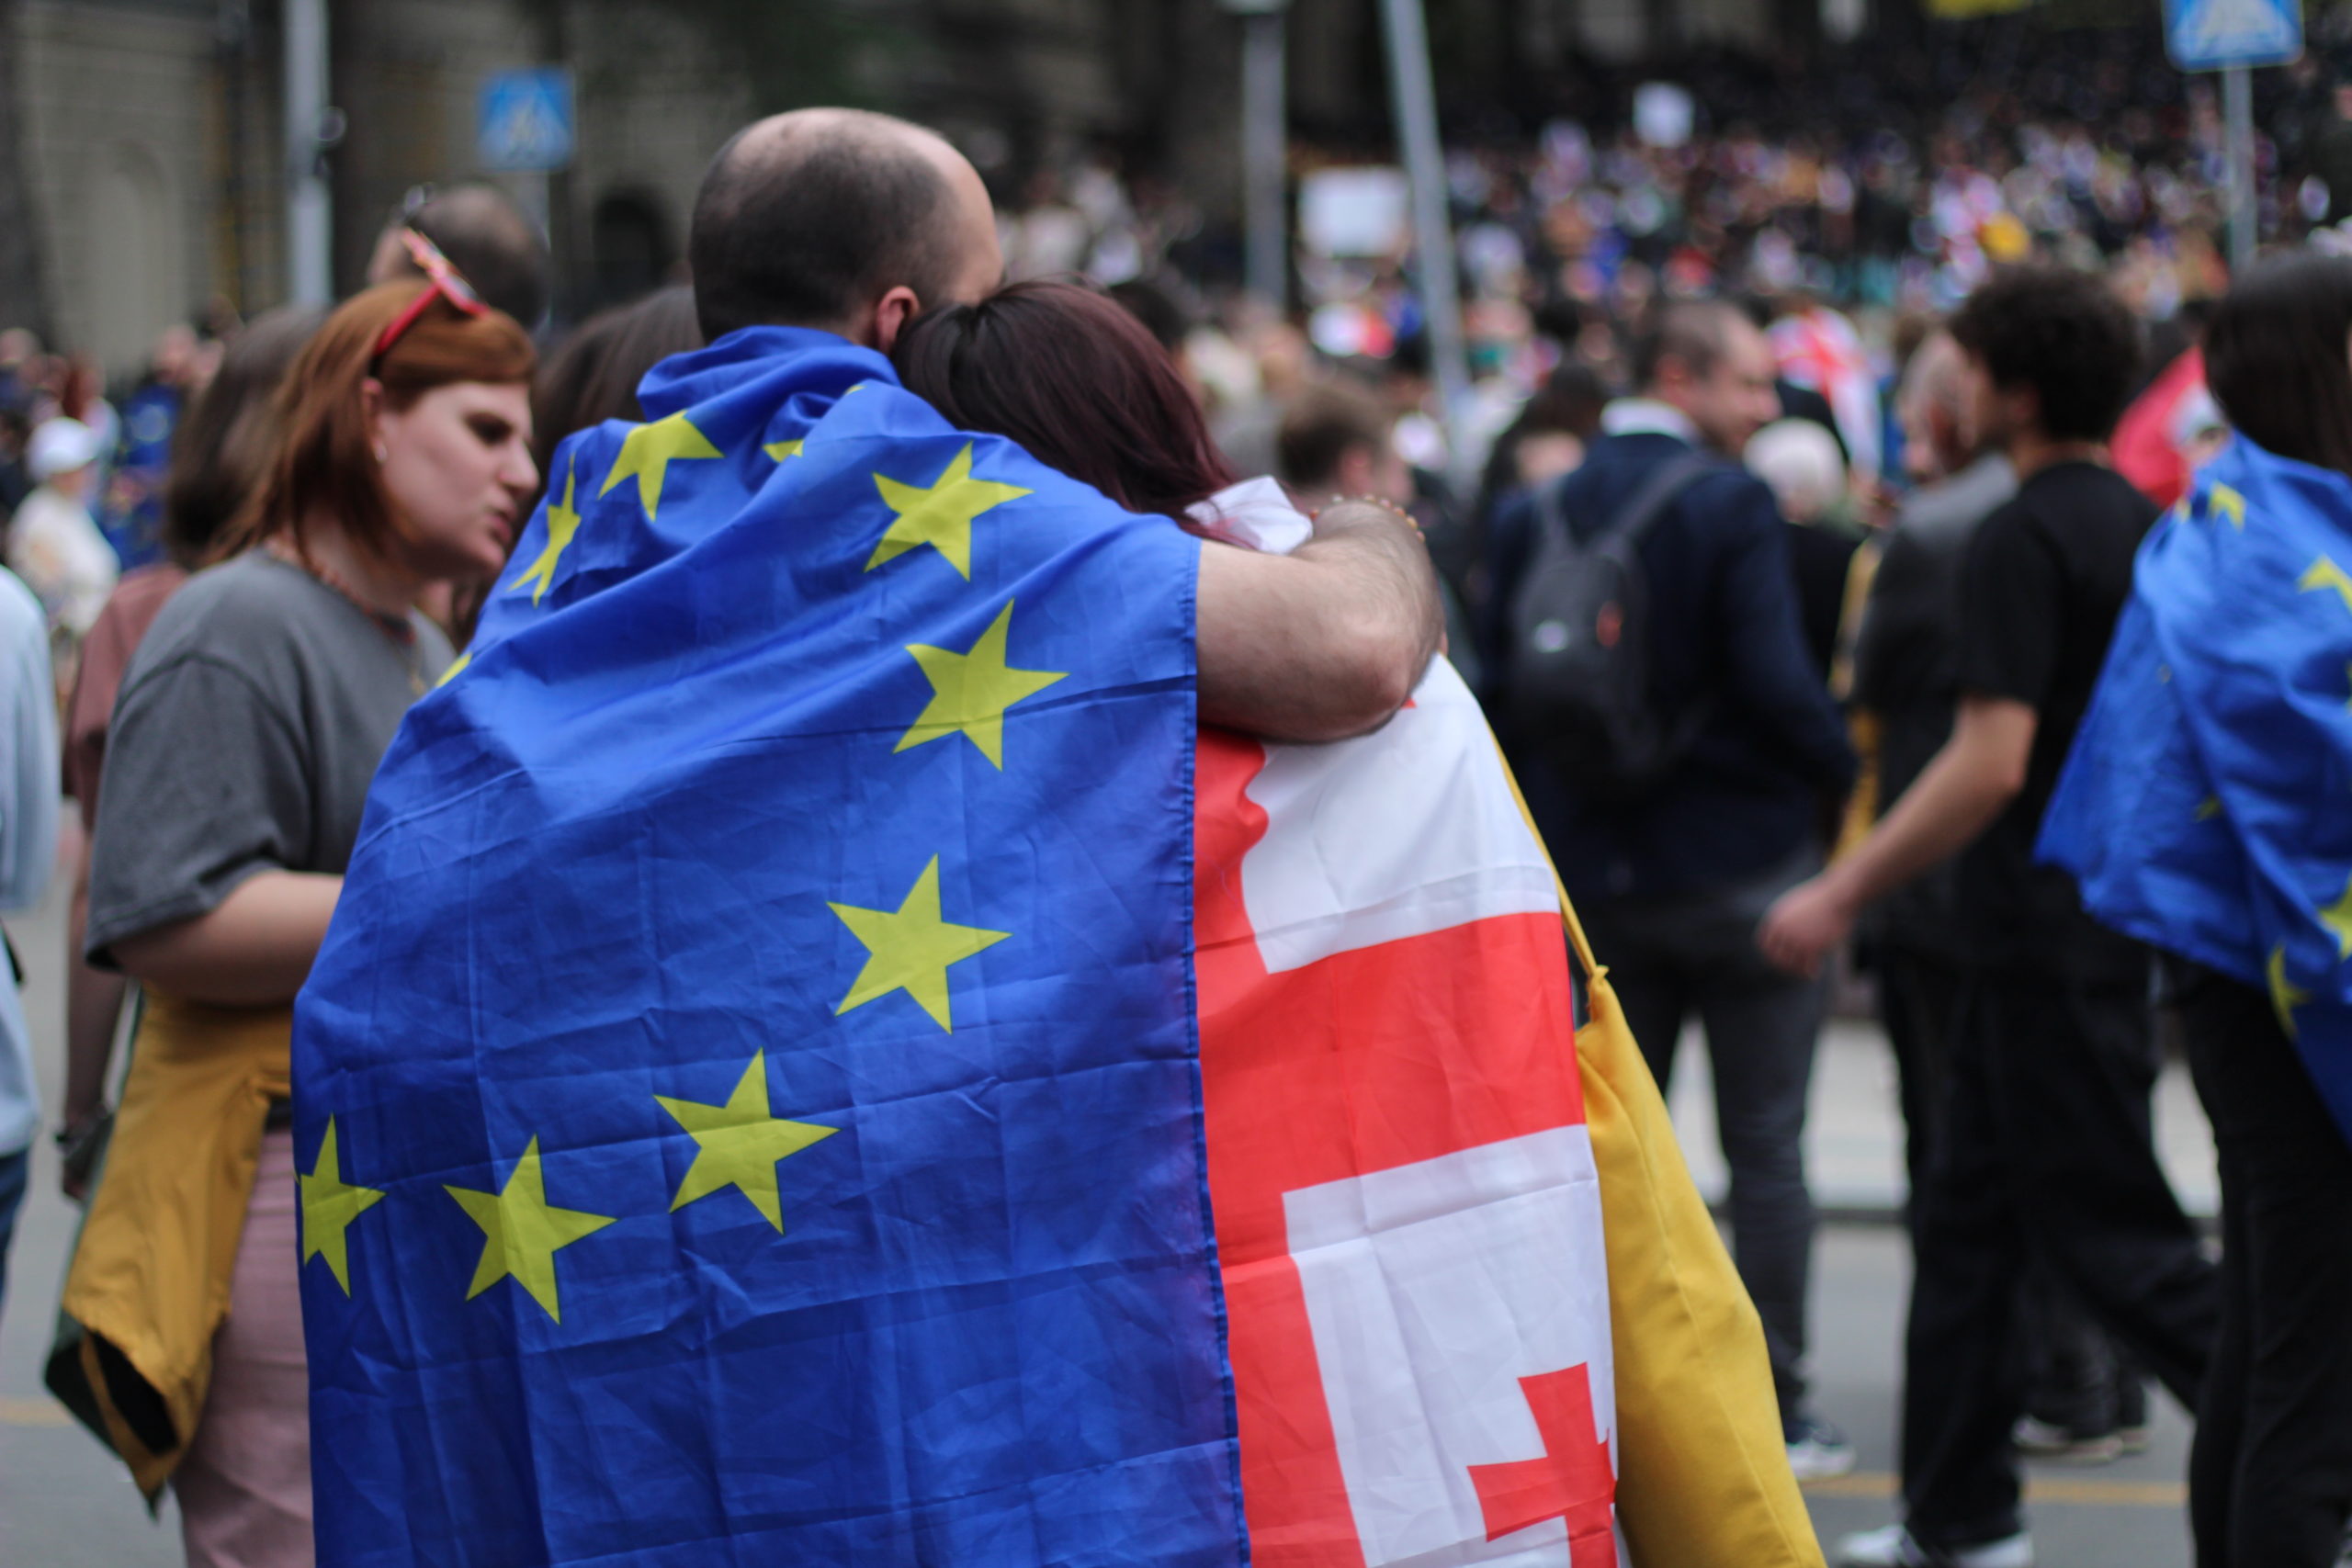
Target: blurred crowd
[1834, 306]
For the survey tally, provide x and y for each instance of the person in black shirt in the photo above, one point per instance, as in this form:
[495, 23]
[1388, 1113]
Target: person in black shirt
[2047, 1150]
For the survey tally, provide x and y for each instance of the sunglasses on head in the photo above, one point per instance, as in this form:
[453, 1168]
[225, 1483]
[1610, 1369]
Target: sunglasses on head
[445, 283]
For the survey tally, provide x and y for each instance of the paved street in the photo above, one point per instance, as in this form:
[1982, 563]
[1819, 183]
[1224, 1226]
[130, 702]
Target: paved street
[63, 1501]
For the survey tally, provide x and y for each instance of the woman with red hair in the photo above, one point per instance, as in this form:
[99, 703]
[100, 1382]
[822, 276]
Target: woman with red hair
[249, 722]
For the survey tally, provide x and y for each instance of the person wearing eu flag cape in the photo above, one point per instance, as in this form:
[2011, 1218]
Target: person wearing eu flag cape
[756, 1100]
[2206, 810]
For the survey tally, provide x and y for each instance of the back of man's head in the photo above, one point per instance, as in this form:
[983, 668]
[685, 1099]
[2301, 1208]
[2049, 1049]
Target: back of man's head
[2063, 334]
[490, 240]
[803, 219]
[1330, 434]
[1932, 404]
[1692, 333]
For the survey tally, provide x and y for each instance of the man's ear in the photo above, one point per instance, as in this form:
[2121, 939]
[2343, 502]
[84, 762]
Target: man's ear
[891, 313]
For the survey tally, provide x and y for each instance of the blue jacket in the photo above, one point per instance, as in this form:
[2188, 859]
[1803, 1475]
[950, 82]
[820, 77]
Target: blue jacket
[1771, 755]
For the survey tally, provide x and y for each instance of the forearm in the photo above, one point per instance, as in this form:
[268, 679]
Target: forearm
[1951, 803]
[1325, 642]
[93, 1000]
[254, 948]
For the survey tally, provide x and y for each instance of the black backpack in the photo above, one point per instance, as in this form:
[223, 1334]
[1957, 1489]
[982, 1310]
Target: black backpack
[1577, 687]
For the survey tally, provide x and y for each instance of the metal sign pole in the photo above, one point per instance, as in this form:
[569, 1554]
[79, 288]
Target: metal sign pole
[2233, 37]
[2237, 107]
[309, 217]
[1265, 153]
[1415, 109]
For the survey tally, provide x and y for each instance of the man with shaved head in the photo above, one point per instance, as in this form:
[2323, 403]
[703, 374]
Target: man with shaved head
[841, 220]
[855, 223]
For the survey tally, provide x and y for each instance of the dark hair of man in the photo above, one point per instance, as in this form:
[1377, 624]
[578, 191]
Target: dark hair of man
[801, 229]
[493, 244]
[1694, 333]
[222, 446]
[593, 377]
[2275, 358]
[1077, 382]
[2062, 332]
[1321, 427]
[1568, 403]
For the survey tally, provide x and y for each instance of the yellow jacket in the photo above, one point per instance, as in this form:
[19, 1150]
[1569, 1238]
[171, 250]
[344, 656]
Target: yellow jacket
[149, 1283]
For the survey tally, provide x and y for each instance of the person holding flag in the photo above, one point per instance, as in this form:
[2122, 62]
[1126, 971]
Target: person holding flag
[2203, 810]
[820, 1056]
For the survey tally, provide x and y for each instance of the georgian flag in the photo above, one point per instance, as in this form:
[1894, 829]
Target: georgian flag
[1408, 1212]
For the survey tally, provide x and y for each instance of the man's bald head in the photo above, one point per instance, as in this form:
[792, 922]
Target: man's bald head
[816, 218]
[488, 239]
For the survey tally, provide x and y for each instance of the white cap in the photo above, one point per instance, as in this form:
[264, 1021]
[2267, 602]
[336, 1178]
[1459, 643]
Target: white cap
[60, 447]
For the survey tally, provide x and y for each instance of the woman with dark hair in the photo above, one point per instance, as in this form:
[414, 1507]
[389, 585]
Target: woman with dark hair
[249, 725]
[217, 456]
[2203, 809]
[593, 377]
[1081, 384]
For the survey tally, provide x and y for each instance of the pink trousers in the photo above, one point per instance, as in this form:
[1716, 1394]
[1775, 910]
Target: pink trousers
[245, 1487]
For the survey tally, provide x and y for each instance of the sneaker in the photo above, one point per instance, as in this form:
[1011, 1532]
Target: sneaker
[1818, 1451]
[1894, 1548]
[2037, 1438]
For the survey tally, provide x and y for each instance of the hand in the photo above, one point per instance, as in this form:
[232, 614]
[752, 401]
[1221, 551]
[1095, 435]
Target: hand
[81, 1143]
[1803, 924]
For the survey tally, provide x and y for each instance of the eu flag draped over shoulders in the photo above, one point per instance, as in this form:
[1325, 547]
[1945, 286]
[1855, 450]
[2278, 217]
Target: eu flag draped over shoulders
[2206, 805]
[747, 1103]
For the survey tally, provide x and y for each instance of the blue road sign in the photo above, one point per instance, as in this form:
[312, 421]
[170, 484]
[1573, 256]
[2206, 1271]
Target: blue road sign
[2209, 35]
[524, 120]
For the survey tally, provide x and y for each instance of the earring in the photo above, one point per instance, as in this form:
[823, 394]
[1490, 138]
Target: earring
[382, 456]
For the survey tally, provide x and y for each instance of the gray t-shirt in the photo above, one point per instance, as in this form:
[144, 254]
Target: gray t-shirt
[250, 723]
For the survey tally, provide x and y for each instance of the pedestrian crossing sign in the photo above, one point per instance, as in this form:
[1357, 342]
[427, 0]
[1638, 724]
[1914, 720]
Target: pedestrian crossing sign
[2210, 35]
[524, 120]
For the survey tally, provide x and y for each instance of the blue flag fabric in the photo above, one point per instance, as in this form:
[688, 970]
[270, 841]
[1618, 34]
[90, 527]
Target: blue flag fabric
[748, 1101]
[2206, 808]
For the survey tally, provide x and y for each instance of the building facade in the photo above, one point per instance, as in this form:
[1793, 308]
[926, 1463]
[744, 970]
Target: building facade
[154, 143]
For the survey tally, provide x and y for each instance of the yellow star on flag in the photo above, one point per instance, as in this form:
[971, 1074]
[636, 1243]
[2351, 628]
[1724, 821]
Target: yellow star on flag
[2285, 997]
[780, 450]
[970, 691]
[2208, 808]
[939, 514]
[522, 1232]
[648, 451]
[737, 1144]
[909, 949]
[456, 669]
[2338, 917]
[562, 522]
[328, 1206]
[2228, 504]
[2325, 573]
